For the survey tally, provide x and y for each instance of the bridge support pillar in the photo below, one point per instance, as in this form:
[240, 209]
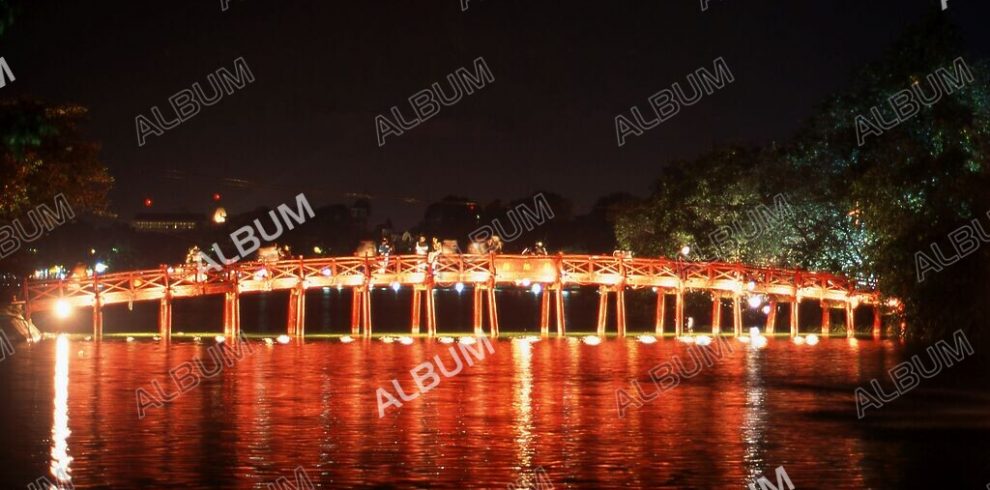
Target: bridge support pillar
[492, 310]
[417, 310]
[850, 320]
[602, 310]
[620, 310]
[431, 313]
[545, 313]
[826, 318]
[772, 316]
[737, 324]
[477, 314]
[661, 312]
[231, 314]
[165, 318]
[877, 322]
[355, 312]
[558, 296]
[366, 310]
[795, 317]
[679, 313]
[296, 323]
[716, 314]
[97, 319]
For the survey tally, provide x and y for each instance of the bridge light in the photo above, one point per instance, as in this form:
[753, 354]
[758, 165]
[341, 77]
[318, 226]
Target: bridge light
[536, 288]
[703, 340]
[446, 340]
[396, 286]
[685, 250]
[799, 340]
[283, 339]
[100, 267]
[62, 309]
[750, 286]
[459, 287]
[812, 340]
[766, 310]
[525, 283]
[406, 340]
[219, 339]
[326, 272]
[647, 339]
[467, 340]
[262, 272]
[346, 339]
[755, 301]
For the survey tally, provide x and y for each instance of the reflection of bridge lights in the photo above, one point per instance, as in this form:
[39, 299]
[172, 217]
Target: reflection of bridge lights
[459, 287]
[219, 339]
[388, 339]
[812, 339]
[760, 342]
[798, 340]
[406, 340]
[754, 332]
[326, 272]
[647, 339]
[467, 340]
[346, 339]
[283, 339]
[528, 339]
[703, 340]
[62, 309]
[130, 339]
[396, 286]
[591, 340]
[755, 301]
[536, 288]
[269, 341]
[686, 339]
[446, 340]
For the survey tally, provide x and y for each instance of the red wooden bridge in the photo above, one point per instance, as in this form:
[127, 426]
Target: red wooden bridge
[483, 273]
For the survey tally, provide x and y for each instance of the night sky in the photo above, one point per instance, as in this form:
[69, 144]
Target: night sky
[324, 69]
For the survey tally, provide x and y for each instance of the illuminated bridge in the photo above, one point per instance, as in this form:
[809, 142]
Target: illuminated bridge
[549, 275]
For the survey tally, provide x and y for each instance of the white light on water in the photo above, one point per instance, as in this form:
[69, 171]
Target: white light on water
[686, 339]
[283, 339]
[388, 339]
[219, 339]
[812, 339]
[346, 339]
[703, 340]
[754, 332]
[591, 340]
[130, 339]
[647, 339]
[60, 420]
[467, 340]
[404, 340]
[799, 340]
[446, 340]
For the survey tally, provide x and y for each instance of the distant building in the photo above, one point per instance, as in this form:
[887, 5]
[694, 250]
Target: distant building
[167, 222]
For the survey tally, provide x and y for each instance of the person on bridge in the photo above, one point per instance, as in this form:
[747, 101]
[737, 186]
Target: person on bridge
[495, 244]
[422, 248]
[538, 249]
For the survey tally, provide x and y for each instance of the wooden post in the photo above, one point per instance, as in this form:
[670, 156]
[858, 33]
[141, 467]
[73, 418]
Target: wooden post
[877, 321]
[795, 317]
[737, 324]
[559, 300]
[679, 313]
[296, 324]
[477, 313]
[355, 311]
[850, 320]
[602, 310]
[232, 313]
[165, 317]
[716, 314]
[544, 313]
[661, 312]
[417, 309]
[431, 313]
[772, 316]
[492, 309]
[97, 310]
[366, 310]
[620, 311]
[826, 318]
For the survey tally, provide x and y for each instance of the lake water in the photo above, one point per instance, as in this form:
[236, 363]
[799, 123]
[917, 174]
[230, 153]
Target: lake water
[548, 405]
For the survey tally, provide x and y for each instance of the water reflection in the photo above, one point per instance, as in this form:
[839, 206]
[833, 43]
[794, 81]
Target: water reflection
[60, 419]
[754, 420]
[522, 356]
